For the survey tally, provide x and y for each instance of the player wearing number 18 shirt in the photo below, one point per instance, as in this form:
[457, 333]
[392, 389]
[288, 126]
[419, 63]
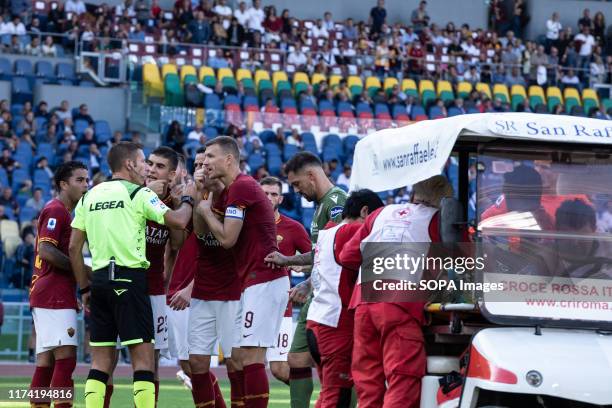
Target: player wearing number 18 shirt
[249, 229]
[291, 238]
[53, 290]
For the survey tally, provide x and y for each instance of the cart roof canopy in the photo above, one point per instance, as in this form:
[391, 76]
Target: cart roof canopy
[394, 158]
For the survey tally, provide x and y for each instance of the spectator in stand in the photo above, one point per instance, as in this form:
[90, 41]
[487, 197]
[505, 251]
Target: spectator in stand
[155, 9]
[295, 139]
[539, 65]
[63, 112]
[43, 164]
[553, 28]
[7, 162]
[345, 177]
[196, 134]
[75, 6]
[598, 70]
[287, 22]
[242, 14]
[349, 32]
[88, 138]
[224, 12]
[175, 137]
[585, 41]
[570, 79]
[378, 17]
[83, 114]
[416, 56]
[49, 49]
[472, 76]
[199, 29]
[509, 58]
[520, 18]
[585, 20]
[599, 27]
[125, 10]
[138, 33]
[235, 33]
[24, 256]
[33, 48]
[279, 138]
[37, 201]
[319, 31]
[328, 21]
[382, 58]
[94, 158]
[218, 60]
[297, 57]
[497, 17]
[419, 17]
[16, 46]
[256, 17]
[273, 25]
[219, 33]
[7, 199]
[515, 78]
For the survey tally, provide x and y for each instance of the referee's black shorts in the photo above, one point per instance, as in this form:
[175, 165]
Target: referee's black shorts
[120, 307]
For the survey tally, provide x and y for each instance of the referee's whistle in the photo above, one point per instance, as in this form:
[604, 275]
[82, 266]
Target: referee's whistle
[111, 269]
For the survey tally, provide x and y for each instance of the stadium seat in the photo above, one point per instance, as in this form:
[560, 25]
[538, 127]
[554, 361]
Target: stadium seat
[79, 127]
[152, 84]
[307, 217]
[464, 89]
[536, 96]
[399, 113]
[454, 111]
[21, 90]
[418, 113]
[168, 69]
[188, 70]
[590, 100]
[389, 83]
[554, 97]
[572, 98]
[317, 78]
[262, 75]
[334, 80]
[426, 91]
[9, 231]
[41, 177]
[372, 85]
[435, 112]
[484, 88]
[45, 150]
[173, 91]
[212, 101]
[6, 69]
[445, 91]
[301, 77]
[65, 71]
[501, 91]
[242, 74]
[409, 87]
[3, 177]
[517, 96]
[225, 73]
[355, 85]
[24, 68]
[102, 131]
[19, 176]
[289, 150]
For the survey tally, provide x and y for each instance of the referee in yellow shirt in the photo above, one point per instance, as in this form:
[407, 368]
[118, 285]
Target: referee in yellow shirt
[112, 217]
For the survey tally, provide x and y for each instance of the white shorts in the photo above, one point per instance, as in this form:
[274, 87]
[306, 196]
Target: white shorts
[54, 328]
[283, 342]
[160, 321]
[213, 322]
[262, 308]
[178, 322]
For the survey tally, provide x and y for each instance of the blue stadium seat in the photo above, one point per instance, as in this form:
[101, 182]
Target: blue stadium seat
[250, 101]
[231, 100]
[16, 109]
[65, 82]
[306, 104]
[310, 144]
[326, 105]
[84, 151]
[102, 131]
[6, 69]
[435, 112]
[307, 216]
[288, 103]
[289, 150]
[27, 213]
[41, 177]
[272, 150]
[6, 39]
[349, 143]
[363, 107]
[332, 140]
[45, 150]
[255, 161]
[454, 111]
[191, 147]
[19, 176]
[3, 177]
[22, 91]
[274, 165]
[23, 67]
[87, 84]
[417, 110]
[79, 127]
[212, 101]
[65, 71]
[267, 136]
[9, 212]
[44, 69]
[473, 110]
[381, 108]
[210, 132]
[344, 106]
[329, 154]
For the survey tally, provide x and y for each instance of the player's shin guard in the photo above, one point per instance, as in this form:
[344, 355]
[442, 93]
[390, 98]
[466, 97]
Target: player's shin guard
[144, 389]
[256, 388]
[95, 389]
[62, 378]
[236, 379]
[41, 379]
[108, 395]
[203, 392]
[300, 386]
[219, 401]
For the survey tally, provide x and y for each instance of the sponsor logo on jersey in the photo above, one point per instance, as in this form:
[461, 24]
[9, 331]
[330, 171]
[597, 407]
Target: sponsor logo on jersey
[70, 331]
[335, 211]
[51, 224]
[156, 202]
[106, 205]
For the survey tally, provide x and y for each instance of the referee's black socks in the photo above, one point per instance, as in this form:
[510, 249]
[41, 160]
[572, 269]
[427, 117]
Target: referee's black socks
[95, 388]
[144, 389]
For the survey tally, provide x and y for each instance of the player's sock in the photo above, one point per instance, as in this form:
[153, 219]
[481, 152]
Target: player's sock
[300, 386]
[62, 378]
[108, 395]
[236, 379]
[144, 389]
[41, 379]
[203, 392]
[156, 383]
[219, 401]
[256, 388]
[95, 389]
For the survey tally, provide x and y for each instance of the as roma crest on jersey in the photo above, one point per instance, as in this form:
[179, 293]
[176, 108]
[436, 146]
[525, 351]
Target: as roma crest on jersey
[70, 332]
[279, 238]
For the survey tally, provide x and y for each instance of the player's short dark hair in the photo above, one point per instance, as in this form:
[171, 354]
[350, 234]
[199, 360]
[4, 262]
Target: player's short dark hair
[169, 154]
[227, 144]
[271, 181]
[64, 172]
[201, 150]
[302, 160]
[121, 152]
[357, 200]
[575, 214]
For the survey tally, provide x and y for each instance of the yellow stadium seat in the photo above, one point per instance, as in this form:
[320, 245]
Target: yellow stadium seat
[518, 90]
[444, 86]
[553, 91]
[390, 82]
[168, 69]
[426, 85]
[187, 70]
[224, 73]
[243, 73]
[316, 78]
[589, 93]
[261, 74]
[535, 90]
[373, 82]
[464, 89]
[571, 93]
[354, 80]
[206, 72]
[153, 87]
[300, 77]
[501, 90]
[408, 84]
[484, 88]
[279, 76]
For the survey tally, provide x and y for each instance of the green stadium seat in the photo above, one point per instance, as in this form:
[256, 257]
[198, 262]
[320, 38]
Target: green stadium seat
[173, 90]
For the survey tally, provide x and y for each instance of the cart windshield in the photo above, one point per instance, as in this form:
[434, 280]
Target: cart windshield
[544, 218]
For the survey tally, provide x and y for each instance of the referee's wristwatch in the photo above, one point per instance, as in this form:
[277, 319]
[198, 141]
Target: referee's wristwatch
[188, 200]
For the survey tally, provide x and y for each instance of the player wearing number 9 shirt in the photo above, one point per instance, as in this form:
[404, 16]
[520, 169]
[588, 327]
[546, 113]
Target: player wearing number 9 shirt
[249, 229]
